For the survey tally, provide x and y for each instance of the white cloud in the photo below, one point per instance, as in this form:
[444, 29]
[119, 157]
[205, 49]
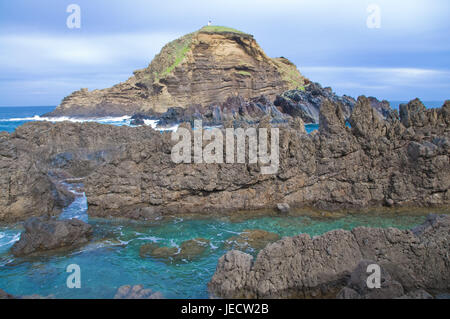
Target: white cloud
[41, 53]
[389, 83]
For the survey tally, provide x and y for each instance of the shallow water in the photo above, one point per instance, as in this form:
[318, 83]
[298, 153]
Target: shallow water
[112, 258]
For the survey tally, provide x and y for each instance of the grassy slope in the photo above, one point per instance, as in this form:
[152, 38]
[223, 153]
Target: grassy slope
[218, 29]
[290, 74]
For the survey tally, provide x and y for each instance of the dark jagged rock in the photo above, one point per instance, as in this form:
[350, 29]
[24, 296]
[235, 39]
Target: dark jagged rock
[331, 119]
[302, 266]
[43, 235]
[26, 189]
[234, 109]
[306, 103]
[382, 107]
[415, 115]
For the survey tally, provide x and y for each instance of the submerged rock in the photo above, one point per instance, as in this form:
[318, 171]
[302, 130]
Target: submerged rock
[42, 235]
[5, 295]
[306, 103]
[193, 248]
[189, 250]
[136, 292]
[304, 267]
[251, 240]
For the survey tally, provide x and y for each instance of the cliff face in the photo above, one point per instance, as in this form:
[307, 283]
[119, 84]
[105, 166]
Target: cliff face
[201, 68]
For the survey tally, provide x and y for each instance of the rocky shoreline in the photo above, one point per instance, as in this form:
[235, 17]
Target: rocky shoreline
[414, 264]
[128, 172]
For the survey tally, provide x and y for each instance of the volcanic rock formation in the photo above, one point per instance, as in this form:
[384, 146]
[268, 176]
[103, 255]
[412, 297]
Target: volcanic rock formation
[305, 267]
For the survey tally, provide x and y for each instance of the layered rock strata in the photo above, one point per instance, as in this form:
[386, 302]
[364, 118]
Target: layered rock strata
[200, 68]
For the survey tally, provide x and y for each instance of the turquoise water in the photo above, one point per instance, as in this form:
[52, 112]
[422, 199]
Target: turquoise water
[112, 258]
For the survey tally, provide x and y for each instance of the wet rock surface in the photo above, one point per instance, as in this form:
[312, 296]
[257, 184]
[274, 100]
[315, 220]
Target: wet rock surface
[251, 240]
[301, 104]
[189, 250]
[334, 264]
[43, 235]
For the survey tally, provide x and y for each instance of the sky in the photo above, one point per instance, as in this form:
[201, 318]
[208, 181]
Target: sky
[398, 51]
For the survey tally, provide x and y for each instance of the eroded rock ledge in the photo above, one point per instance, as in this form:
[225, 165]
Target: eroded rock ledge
[305, 267]
[128, 171]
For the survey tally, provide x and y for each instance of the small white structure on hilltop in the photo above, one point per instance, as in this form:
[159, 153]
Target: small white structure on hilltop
[209, 23]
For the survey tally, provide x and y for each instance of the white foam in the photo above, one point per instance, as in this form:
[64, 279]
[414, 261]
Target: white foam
[154, 125]
[120, 120]
[70, 119]
[15, 238]
[150, 238]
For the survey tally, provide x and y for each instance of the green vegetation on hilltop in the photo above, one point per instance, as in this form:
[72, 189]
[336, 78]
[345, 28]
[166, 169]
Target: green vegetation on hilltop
[178, 56]
[171, 55]
[245, 73]
[218, 29]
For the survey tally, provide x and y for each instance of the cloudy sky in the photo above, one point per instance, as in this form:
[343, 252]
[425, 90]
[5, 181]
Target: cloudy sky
[42, 60]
